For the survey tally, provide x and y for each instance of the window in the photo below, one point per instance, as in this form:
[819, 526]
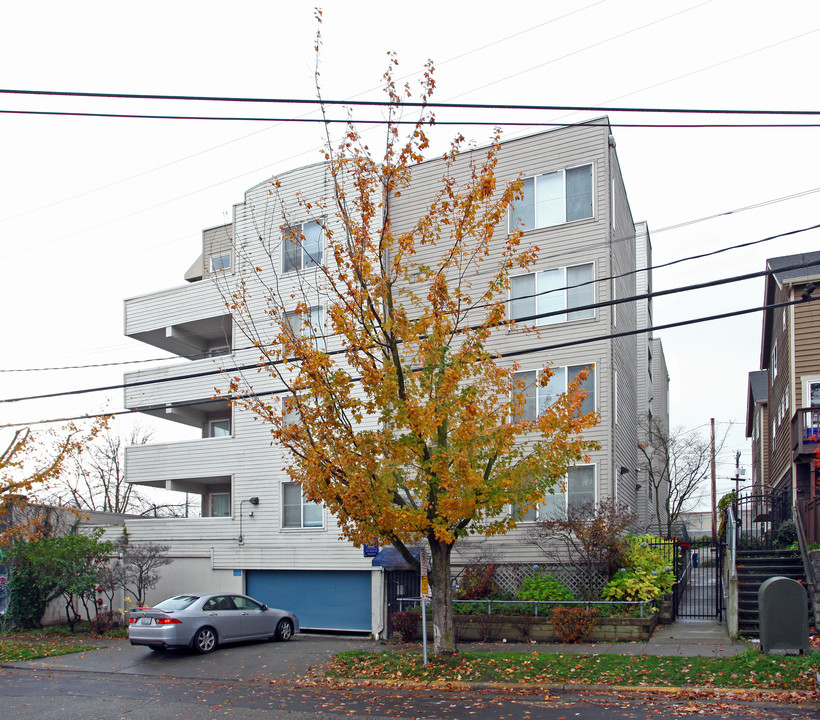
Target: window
[554, 198]
[537, 399]
[220, 505]
[301, 246]
[306, 324]
[580, 489]
[222, 261]
[219, 428]
[219, 350]
[220, 602]
[298, 512]
[553, 291]
[773, 362]
[290, 411]
[245, 603]
[614, 303]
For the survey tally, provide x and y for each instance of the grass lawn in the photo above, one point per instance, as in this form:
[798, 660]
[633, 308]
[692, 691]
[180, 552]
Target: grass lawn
[82, 630]
[751, 669]
[17, 651]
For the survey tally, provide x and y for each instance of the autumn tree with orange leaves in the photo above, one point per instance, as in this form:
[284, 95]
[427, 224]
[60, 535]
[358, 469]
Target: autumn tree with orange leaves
[32, 461]
[396, 411]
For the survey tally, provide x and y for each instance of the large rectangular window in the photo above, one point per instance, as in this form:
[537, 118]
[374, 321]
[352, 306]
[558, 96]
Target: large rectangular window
[580, 489]
[219, 428]
[297, 512]
[537, 399]
[555, 291]
[306, 324]
[554, 198]
[220, 504]
[301, 246]
[221, 261]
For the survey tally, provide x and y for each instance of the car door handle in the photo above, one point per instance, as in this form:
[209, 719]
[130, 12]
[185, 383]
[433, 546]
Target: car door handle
[211, 614]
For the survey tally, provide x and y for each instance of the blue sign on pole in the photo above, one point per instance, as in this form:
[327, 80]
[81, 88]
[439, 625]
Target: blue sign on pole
[371, 550]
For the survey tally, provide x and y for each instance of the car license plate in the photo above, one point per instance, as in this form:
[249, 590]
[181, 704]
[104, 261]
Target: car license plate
[146, 621]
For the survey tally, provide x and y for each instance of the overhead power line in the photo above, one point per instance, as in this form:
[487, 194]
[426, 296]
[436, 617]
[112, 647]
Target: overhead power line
[514, 353]
[382, 121]
[434, 105]
[530, 318]
[652, 268]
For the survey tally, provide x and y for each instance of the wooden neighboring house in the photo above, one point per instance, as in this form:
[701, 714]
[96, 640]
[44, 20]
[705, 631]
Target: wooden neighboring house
[783, 419]
[757, 423]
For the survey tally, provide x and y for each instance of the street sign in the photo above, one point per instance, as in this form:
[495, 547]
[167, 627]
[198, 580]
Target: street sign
[425, 585]
[371, 550]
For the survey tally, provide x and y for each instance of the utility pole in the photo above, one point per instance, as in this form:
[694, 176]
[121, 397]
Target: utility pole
[714, 485]
[737, 473]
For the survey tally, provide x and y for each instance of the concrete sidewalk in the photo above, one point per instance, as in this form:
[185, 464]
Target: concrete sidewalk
[688, 638]
[306, 654]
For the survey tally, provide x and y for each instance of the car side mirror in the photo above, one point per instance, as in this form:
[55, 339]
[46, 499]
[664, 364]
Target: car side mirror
[264, 607]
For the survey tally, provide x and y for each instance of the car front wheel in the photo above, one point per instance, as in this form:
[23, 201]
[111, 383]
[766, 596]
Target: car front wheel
[284, 630]
[205, 640]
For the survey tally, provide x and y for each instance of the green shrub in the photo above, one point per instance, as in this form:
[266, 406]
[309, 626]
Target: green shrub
[786, 534]
[647, 572]
[544, 587]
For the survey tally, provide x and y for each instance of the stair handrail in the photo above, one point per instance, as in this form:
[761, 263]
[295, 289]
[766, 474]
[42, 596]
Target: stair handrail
[730, 595]
[803, 544]
[731, 540]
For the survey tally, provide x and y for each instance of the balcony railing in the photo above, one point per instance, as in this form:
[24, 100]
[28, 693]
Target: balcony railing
[805, 432]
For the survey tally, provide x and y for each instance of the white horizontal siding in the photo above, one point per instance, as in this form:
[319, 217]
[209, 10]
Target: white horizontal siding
[186, 303]
[256, 468]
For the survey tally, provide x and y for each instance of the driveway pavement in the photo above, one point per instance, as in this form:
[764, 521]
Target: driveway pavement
[264, 661]
[289, 661]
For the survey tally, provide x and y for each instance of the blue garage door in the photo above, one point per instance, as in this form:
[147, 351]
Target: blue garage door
[321, 599]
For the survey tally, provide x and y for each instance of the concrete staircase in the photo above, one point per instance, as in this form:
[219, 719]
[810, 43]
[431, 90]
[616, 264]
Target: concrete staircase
[754, 567]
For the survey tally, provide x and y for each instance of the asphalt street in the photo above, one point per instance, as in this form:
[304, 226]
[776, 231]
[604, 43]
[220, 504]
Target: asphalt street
[278, 680]
[63, 695]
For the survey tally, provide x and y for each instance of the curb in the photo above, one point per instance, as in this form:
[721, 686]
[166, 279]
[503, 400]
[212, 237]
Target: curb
[806, 698]
[759, 693]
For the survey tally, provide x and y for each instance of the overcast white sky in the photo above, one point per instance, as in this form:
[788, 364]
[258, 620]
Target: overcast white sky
[94, 210]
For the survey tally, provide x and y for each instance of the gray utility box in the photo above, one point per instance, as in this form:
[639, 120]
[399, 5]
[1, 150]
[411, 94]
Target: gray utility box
[784, 615]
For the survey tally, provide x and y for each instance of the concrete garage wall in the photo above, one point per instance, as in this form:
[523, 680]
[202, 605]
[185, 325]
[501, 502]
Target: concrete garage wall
[189, 574]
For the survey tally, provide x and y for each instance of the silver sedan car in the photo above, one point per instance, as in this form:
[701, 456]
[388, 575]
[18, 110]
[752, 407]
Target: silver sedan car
[205, 620]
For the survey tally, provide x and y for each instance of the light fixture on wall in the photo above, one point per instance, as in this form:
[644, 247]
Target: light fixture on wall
[808, 290]
[623, 470]
[252, 501]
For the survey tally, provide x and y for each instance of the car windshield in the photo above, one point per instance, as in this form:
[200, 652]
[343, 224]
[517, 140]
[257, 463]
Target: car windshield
[180, 602]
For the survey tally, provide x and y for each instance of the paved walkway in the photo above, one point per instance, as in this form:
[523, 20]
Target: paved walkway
[305, 653]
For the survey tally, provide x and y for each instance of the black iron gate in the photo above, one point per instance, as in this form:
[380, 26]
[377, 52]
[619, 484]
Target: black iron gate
[400, 584]
[698, 592]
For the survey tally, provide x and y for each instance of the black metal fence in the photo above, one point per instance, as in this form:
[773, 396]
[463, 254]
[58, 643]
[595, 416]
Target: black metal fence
[760, 517]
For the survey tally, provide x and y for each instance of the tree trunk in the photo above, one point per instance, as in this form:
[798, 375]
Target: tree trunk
[444, 633]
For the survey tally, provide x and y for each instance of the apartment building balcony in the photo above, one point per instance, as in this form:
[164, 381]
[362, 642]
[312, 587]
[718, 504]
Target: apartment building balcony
[805, 433]
[201, 467]
[192, 386]
[186, 320]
